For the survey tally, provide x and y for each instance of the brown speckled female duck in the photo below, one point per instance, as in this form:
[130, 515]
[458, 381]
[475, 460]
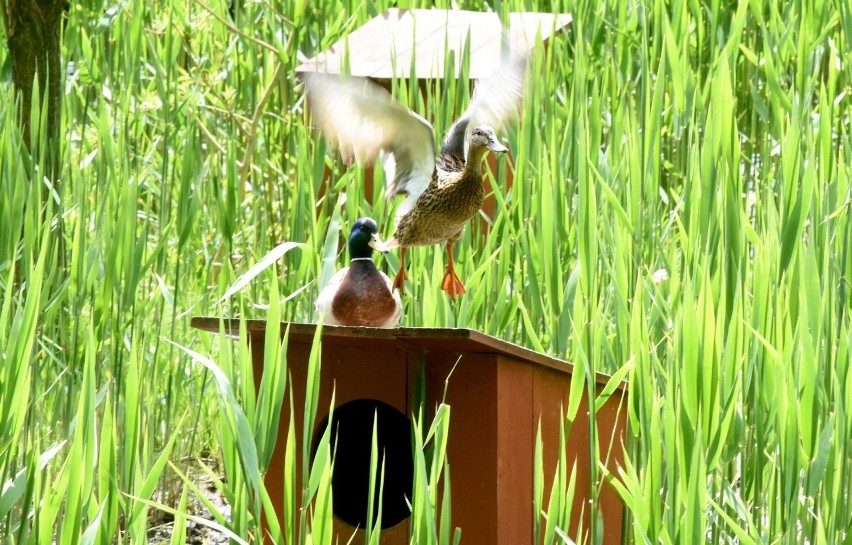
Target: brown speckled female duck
[360, 294]
[441, 195]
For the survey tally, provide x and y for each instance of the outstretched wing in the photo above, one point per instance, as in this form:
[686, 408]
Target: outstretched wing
[496, 100]
[363, 121]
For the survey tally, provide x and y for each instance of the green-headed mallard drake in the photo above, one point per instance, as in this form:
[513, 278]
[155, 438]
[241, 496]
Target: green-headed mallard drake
[360, 294]
[441, 195]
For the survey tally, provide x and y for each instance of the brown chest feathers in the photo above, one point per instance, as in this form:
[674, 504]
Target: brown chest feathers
[363, 298]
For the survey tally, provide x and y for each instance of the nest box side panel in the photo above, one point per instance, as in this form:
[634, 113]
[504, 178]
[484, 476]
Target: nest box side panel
[550, 401]
[611, 421]
[297, 366]
[515, 451]
[472, 443]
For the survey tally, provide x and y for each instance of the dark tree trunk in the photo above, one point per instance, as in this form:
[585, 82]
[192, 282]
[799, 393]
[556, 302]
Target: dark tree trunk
[33, 31]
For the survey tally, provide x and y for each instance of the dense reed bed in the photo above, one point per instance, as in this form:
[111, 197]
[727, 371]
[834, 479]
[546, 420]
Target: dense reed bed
[680, 215]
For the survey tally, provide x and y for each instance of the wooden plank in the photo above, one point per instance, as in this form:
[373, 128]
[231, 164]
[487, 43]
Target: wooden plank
[549, 391]
[423, 338]
[427, 35]
[472, 439]
[611, 421]
[515, 451]
[549, 401]
[399, 39]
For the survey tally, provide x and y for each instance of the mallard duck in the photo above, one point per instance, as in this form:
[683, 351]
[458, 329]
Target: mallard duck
[360, 294]
[441, 195]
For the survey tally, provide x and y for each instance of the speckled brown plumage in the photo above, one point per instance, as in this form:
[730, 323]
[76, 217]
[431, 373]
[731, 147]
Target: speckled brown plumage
[452, 199]
[441, 212]
[450, 161]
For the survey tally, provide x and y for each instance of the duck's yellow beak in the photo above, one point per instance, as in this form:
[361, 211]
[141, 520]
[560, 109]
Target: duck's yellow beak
[377, 244]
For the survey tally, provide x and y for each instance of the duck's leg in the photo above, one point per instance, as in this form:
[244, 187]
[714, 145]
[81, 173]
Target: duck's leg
[399, 279]
[451, 284]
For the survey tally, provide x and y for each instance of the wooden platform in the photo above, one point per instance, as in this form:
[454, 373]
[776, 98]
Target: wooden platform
[384, 47]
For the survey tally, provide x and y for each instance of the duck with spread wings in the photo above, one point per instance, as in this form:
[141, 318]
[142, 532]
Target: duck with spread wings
[441, 194]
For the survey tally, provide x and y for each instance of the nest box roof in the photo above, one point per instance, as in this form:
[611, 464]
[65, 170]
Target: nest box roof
[384, 47]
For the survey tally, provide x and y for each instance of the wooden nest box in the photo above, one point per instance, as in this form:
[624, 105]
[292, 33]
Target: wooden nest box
[498, 393]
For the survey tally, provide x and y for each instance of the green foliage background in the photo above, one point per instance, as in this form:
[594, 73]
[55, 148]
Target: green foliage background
[681, 215]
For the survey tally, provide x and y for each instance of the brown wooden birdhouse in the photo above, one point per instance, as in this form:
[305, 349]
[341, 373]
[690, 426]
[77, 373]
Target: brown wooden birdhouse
[498, 393]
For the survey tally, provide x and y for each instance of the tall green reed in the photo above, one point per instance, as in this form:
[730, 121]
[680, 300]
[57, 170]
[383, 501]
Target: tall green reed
[681, 203]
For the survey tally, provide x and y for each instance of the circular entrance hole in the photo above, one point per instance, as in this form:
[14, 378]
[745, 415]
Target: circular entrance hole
[351, 440]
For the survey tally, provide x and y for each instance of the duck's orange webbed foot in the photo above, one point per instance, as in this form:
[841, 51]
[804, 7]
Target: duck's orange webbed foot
[401, 275]
[452, 284]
